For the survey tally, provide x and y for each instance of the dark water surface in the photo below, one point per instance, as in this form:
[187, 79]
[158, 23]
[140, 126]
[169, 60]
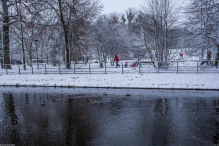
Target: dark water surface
[147, 117]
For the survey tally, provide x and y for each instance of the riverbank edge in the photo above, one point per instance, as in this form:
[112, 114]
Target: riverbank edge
[69, 86]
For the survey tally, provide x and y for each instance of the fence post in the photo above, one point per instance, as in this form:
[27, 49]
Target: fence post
[37, 63]
[45, 69]
[122, 67]
[197, 67]
[19, 69]
[59, 69]
[158, 67]
[177, 67]
[105, 66]
[32, 68]
[218, 65]
[6, 69]
[139, 63]
[89, 69]
[74, 68]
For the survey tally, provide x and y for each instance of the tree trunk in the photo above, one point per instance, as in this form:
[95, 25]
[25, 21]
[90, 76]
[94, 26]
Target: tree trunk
[22, 36]
[217, 57]
[22, 42]
[30, 57]
[5, 37]
[67, 50]
[65, 29]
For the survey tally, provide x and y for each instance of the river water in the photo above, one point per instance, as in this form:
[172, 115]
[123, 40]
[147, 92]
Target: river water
[58, 116]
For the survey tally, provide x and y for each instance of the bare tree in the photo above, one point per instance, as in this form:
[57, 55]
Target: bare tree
[158, 21]
[73, 17]
[61, 27]
[110, 39]
[203, 17]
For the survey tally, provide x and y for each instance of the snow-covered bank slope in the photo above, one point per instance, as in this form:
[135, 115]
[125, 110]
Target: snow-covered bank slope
[179, 81]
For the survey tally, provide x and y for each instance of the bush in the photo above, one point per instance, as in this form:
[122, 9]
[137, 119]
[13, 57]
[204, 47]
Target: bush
[101, 65]
[217, 60]
[16, 61]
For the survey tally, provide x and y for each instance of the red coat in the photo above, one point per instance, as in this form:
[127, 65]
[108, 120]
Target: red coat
[116, 58]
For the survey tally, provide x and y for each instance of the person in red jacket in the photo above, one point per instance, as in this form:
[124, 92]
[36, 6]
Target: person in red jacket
[117, 60]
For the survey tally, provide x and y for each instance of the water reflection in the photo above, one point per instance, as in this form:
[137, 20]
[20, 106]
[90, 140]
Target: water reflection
[147, 117]
[15, 132]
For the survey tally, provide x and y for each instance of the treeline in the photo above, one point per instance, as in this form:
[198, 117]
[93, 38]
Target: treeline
[65, 31]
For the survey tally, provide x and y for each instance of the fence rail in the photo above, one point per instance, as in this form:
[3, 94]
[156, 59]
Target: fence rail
[141, 67]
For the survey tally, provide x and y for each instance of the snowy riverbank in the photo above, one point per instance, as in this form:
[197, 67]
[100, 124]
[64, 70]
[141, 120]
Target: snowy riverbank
[155, 81]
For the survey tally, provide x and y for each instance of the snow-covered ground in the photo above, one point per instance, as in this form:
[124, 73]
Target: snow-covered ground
[161, 81]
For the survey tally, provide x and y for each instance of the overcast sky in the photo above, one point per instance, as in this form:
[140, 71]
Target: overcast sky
[120, 6]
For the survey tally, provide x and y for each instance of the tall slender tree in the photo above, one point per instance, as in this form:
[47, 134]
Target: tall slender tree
[158, 21]
[5, 36]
